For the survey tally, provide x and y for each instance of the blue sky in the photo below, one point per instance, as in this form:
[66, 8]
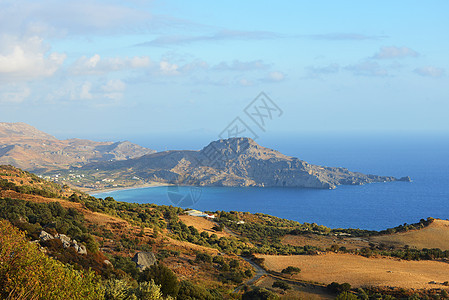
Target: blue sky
[112, 69]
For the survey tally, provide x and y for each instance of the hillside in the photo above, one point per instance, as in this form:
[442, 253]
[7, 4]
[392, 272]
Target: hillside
[26, 147]
[234, 162]
[436, 235]
[214, 258]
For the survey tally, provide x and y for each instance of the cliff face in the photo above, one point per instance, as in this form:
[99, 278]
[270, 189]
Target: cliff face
[236, 162]
[25, 147]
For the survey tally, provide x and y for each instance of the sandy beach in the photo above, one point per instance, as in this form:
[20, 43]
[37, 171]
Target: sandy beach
[138, 186]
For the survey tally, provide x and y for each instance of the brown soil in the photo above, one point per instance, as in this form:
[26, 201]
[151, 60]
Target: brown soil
[361, 271]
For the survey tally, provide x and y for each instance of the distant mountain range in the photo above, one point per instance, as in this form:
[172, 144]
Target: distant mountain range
[26, 147]
[230, 162]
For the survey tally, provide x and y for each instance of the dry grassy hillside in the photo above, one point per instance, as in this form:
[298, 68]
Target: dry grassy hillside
[436, 235]
[360, 271]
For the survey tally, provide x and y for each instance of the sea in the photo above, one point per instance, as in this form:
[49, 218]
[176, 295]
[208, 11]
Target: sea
[424, 157]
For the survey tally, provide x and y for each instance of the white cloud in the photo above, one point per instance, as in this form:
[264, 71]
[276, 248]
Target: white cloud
[274, 76]
[114, 89]
[395, 52]
[27, 58]
[430, 71]
[344, 36]
[14, 93]
[237, 65]
[329, 69]
[217, 36]
[92, 93]
[246, 82]
[58, 18]
[85, 92]
[167, 68]
[95, 65]
[367, 68]
[194, 66]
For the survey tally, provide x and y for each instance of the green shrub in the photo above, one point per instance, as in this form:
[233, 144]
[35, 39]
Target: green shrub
[190, 291]
[281, 285]
[203, 257]
[259, 294]
[162, 276]
[291, 270]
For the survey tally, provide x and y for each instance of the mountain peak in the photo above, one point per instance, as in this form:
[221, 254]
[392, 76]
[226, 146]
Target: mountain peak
[235, 147]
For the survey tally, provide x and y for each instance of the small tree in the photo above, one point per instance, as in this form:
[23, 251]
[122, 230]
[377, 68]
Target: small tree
[291, 270]
[281, 285]
[163, 276]
[203, 257]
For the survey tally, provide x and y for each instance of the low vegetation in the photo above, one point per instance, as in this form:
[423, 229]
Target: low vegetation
[147, 227]
[27, 273]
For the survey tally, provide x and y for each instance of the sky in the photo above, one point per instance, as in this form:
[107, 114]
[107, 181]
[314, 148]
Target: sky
[118, 69]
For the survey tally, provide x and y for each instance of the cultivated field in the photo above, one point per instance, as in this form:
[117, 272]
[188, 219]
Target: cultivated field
[361, 271]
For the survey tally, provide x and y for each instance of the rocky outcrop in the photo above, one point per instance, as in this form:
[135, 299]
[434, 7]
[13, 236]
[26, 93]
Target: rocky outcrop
[144, 260]
[65, 240]
[237, 162]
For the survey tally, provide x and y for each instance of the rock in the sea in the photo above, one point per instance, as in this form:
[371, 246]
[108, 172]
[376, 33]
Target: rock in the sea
[144, 259]
[45, 236]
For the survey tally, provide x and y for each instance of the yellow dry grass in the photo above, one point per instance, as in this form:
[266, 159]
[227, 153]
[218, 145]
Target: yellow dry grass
[436, 235]
[202, 224]
[323, 242]
[361, 271]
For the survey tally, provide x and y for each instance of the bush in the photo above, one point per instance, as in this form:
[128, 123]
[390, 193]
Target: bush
[190, 291]
[126, 265]
[281, 285]
[339, 288]
[203, 257]
[162, 276]
[259, 294]
[291, 270]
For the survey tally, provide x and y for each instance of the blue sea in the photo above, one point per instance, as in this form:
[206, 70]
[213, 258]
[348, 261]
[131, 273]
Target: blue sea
[423, 157]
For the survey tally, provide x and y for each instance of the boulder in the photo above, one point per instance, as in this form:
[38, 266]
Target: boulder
[66, 241]
[81, 249]
[144, 260]
[45, 236]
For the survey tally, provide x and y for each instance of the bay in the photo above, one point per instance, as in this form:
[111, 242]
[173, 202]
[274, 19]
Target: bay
[374, 206]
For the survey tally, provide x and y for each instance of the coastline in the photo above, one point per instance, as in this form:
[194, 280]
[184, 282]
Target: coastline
[137, 186]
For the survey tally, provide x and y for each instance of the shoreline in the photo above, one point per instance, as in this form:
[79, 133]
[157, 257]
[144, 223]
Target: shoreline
[137, 186]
